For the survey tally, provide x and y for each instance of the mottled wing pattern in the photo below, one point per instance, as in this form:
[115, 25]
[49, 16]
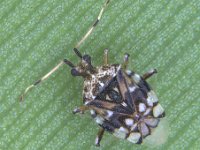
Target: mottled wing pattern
[144, 97]
[128, 103]
[127, 107]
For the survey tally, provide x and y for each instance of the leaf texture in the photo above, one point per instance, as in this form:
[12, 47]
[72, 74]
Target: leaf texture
[35, 35]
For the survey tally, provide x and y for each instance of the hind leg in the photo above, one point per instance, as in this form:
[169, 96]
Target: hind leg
[99, 137]
[80, 109]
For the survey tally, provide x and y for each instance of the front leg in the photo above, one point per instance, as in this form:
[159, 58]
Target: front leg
[149, 74]
[99, 137]
[80, 109]
[106, 57]
[125, 63]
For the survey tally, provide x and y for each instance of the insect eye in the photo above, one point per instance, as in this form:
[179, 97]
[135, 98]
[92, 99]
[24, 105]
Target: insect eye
[87, 58]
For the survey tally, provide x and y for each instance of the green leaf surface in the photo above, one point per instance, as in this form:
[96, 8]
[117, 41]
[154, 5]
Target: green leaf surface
[36, 34]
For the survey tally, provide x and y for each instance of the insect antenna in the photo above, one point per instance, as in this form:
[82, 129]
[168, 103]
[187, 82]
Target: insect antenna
[90, 29]
[77, 52]
[43, 78]
[65, 61]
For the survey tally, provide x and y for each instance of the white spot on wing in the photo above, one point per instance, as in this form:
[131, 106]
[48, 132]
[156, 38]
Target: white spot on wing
[116, 89]
[136, 78]
[122, 129]
[128, 72]
[151, 98]
[134, 137]
[120, 133]
[158, 110]
[99, 120]
[152, 122]
[132, 88]
[92, 112]
[124, 104]
[86, 102]
[101, 84]
[142, 107]
[108, 98]
[109, 113]
[129, 122]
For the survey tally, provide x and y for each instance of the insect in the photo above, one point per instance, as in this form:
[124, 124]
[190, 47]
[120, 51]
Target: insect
[120, 101]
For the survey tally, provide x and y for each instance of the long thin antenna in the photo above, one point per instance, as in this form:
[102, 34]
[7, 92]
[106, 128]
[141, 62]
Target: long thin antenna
[66, 61]
[93, 26]
[40, 80]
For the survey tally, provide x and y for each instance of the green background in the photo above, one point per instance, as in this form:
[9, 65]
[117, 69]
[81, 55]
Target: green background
[36, 34]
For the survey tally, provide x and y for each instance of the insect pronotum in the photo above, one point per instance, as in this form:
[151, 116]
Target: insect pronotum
[120, 101]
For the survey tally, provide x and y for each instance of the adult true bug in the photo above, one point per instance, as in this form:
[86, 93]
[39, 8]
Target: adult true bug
[120, 101]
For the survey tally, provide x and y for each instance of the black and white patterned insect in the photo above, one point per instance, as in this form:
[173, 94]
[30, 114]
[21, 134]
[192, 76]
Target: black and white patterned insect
[120, 101]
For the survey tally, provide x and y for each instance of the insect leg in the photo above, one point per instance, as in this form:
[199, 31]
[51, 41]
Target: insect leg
[45, 77]
[93, 26]
[99, 137]
[106, 57]
[80, 109]
[125, 64]
[149, 74]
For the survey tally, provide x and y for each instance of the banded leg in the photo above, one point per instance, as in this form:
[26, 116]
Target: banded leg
[149, 74]
[93, 26]
[80, 109]
[125, 63]
[106, 57]
[99, 137]
[65, 61]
